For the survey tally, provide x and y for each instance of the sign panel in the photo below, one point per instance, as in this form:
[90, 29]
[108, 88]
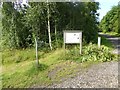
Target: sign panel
[72, 36]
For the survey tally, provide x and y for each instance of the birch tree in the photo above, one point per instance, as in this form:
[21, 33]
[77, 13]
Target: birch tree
[48, 15]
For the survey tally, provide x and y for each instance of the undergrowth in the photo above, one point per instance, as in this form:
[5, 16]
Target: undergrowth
[90, 52]
[19, 68]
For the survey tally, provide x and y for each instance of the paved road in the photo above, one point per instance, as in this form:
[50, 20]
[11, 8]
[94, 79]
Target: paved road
[116, 42]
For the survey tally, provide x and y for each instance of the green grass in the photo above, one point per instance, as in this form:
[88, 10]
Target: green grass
[0, 51]
[111, 33]
[19, 70]
[25, 73]
[16, 56]
[106, 42]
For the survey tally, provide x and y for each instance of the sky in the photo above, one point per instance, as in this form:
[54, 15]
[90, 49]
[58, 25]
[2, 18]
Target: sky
[105, 6]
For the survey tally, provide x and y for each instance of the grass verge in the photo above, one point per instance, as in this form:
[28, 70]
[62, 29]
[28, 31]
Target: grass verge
[19, 70]
[106, 42]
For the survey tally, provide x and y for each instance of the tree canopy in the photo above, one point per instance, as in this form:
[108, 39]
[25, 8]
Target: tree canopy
[110, 21]
[46, 21]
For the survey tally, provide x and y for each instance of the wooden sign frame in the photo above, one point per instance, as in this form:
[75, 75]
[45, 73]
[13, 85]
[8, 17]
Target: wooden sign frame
[73, 37]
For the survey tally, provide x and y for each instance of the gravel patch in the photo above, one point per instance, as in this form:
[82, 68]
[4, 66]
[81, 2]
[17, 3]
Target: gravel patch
[104, 75]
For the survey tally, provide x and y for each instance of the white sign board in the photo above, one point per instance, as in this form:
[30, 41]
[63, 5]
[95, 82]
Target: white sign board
[72, 36]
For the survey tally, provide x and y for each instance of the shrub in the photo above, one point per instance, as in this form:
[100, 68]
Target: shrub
[90, 52]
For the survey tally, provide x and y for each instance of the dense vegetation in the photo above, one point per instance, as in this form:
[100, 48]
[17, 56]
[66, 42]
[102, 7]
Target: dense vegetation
[0, 27]
[110, 22]
[45, 22]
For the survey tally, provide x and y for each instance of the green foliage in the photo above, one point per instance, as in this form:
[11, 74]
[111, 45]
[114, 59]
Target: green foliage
[106, 42]
[54, 66]
[90, 52]
[36, 70]
[119, 19]
[110, 22]
[99, 54]
[23, 24]
[15, 33]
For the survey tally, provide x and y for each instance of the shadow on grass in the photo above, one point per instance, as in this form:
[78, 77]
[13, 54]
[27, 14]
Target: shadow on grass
[35, 70]
[106, 42]
[111, 41]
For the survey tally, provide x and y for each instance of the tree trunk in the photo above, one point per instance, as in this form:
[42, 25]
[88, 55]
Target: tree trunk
[48, 12]
[36, 44]
[56, 33]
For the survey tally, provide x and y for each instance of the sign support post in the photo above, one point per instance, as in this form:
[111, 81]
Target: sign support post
[64, 41]
[36, 47]
[81, 43]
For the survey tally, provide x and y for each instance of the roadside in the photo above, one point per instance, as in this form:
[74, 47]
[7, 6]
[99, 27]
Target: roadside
[115, 40]
[103, 75]
[56, 68]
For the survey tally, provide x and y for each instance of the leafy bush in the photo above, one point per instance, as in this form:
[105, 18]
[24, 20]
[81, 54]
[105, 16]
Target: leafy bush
[90, 52]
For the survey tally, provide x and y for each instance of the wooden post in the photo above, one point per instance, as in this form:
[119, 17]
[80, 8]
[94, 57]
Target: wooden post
[99, 42]
[64, 44]
[37, 61]
[75, 51]
[64, 40]
[81, 43]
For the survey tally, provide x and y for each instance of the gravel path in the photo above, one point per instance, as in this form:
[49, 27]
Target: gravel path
[104, 75]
